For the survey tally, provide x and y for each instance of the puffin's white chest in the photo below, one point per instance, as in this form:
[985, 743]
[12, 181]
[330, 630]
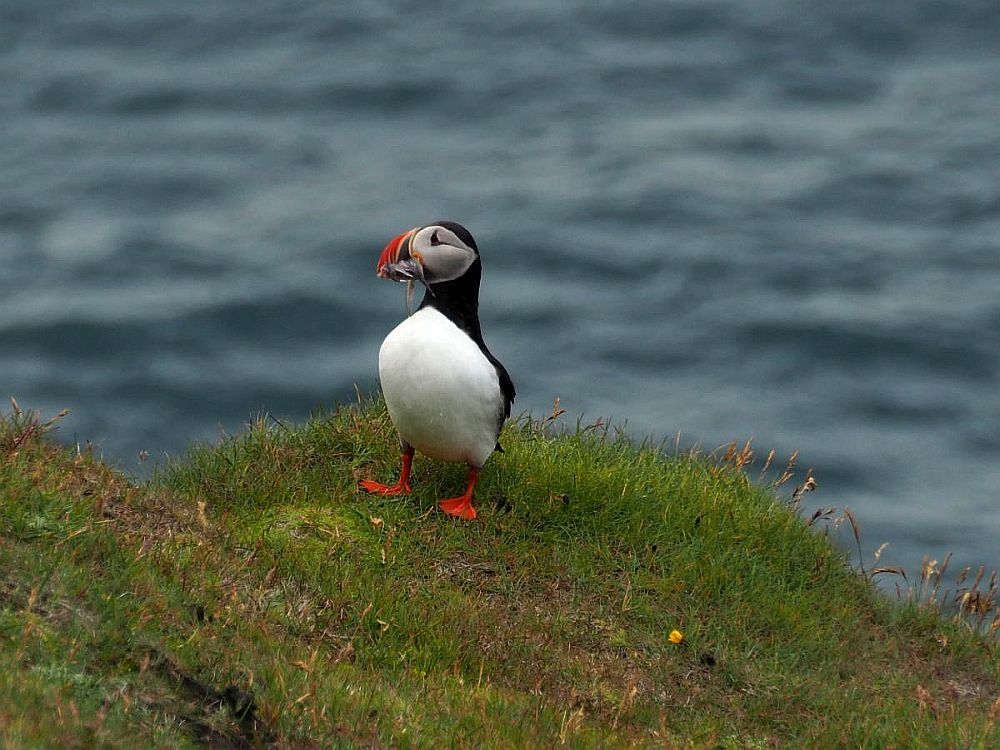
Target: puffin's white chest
[443, 395]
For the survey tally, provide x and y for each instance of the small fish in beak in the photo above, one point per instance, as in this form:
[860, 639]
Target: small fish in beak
[396, 264]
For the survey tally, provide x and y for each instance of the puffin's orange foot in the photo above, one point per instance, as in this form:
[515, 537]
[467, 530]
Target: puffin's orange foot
[462, 506]
[402, 487]
[459, 506]
[387, 490]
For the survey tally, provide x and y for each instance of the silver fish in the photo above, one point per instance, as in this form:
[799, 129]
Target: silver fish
[409, 271]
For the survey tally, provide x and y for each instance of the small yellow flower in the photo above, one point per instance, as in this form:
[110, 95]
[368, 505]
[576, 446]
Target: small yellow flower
[676, 637]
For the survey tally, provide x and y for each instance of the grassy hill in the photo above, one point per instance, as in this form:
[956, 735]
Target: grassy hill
[249, 596]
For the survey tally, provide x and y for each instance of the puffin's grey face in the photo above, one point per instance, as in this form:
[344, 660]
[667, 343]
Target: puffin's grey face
[429, 254]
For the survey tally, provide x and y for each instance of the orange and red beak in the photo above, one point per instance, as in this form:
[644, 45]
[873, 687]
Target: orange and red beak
[397, 250]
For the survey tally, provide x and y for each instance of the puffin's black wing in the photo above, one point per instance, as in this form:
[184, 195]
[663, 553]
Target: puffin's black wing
[506, 388]
[506, 385]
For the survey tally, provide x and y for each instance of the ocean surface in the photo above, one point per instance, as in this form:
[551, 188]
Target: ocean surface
[726, 220]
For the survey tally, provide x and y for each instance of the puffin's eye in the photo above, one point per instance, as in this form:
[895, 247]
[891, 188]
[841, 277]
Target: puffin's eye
[434, 238]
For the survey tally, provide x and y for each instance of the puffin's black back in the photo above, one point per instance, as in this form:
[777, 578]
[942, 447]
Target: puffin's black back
[458, 300]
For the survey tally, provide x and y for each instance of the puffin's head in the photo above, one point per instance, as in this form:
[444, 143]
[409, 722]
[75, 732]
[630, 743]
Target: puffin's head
[438, 252]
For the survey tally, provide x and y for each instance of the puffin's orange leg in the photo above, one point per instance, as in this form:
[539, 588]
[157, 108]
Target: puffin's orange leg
[461, 506]
[402, 487]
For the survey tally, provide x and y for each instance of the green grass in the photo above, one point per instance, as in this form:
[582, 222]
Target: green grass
[249, 596]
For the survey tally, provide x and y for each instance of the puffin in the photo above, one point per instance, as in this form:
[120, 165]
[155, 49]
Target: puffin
[447, 395]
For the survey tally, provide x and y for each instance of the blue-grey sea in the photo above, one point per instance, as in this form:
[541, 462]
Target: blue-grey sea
[766, 219]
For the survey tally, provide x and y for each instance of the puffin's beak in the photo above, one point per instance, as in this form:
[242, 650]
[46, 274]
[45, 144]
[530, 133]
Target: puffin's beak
[398, 264]
[395, 258]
